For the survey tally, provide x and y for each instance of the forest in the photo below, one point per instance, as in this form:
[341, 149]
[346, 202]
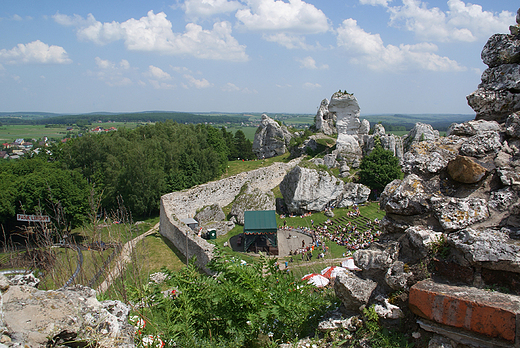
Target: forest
[129, 167]
[150, 116]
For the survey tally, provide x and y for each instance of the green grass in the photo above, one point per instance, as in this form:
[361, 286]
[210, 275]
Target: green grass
[159, 253]
[249, 132]
[236, 167]
[9, 133]
[298, 267]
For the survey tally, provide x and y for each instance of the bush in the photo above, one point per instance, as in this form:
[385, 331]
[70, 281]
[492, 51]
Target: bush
[243, 305]
[379, 168]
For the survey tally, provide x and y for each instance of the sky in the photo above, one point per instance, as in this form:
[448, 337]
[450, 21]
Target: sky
[239, 56]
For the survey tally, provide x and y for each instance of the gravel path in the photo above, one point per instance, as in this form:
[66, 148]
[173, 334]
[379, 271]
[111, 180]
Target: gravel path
[123, 259]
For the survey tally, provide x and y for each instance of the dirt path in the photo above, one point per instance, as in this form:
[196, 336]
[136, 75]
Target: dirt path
[123, 259]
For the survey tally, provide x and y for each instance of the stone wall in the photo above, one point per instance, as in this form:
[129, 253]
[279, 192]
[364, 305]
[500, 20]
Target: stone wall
[175, 230]
[184, 204]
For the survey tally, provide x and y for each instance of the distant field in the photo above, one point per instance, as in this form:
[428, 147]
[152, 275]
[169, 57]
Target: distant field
[9, 133]
[248, 131]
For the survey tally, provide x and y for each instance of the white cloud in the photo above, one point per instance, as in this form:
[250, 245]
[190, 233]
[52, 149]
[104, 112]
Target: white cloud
[17, 17]
[202, 83]
[124, 64]
[161, 85]
[208, 8]
[111, 73]
[368, 49]
[289, 41]
[295, 16]
[180, 69]
[309, 85]
[35, 52]
[310, 63]
[230, 87]
[462, 22]
[104, 64]
[153, 33]
[375, 2]
[158, 73]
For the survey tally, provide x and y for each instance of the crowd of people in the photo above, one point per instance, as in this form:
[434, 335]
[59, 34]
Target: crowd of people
[344, 232]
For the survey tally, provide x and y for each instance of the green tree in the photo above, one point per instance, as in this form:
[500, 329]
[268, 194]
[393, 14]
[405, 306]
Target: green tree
[230, 142]
[243, 145]
[35, 186]
[379, 168]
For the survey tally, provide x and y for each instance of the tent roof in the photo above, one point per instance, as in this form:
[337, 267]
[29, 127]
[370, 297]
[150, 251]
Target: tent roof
[261, 221]
[189, 221]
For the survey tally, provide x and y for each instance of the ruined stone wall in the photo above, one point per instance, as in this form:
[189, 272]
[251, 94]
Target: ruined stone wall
[175, 230]
[184, 204]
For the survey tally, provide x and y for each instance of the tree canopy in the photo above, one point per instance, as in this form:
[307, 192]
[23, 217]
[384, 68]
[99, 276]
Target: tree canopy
[379, 168]
[35, 186]
[134, 167]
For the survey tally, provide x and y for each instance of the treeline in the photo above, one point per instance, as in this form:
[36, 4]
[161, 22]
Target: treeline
[133, 166]
[396, 122]
[179, 117]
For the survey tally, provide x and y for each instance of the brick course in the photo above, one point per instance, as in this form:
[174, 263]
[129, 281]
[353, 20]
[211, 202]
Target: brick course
[484, 312]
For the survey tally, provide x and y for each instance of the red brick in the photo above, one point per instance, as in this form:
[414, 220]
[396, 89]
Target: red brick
[489, 313]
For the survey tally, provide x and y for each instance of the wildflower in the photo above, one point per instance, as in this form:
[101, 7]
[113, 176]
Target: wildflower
[152, 341]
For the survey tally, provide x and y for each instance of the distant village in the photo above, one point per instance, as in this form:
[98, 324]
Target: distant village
[20, 147]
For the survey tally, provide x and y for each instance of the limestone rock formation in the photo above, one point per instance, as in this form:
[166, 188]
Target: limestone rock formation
[353, 291]
[498, 95]
[271, 139]
[419, 132]
[466, 170]
[464, 188]
[210, 213]
[325, 120]
[353, 140]
[307, 189]
[473, 127]
[390, 142]
[353, 193]
[346, 108]
[251, 199]
[37, 318]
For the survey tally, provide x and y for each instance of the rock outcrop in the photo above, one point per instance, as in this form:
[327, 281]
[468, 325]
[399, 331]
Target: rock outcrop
[346, 108]
[307, 189]
[66, 317]
[390, 142]
[341, 116]
[271, 138]
[464, 188]
[210, 213]
[498, 95]
[419, 132]
[251, 199]
[325, 121]
[456, 214]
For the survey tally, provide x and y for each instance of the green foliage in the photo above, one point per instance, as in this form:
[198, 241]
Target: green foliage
[377, 336]
[36, 186]
[142, 164]
[379, 168]
[439, 247]
[235, 308]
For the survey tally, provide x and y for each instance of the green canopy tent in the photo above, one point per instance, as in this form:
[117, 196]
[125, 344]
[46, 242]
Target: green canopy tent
[260, 231]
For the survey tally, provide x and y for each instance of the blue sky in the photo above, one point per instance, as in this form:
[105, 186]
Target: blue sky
[396, 56]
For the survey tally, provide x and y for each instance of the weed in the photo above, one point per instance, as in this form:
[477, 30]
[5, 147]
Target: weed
[439, 247]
